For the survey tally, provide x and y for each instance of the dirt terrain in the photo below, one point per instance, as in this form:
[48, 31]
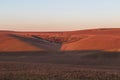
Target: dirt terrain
[93, 39]
[73, 55]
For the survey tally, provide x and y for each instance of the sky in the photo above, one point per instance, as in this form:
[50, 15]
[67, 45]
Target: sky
[58, 15]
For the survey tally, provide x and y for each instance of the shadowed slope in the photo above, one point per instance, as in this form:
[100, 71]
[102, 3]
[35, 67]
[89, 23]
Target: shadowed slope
[38, 42]
[11, 42]
[86, 58]
[8, 43]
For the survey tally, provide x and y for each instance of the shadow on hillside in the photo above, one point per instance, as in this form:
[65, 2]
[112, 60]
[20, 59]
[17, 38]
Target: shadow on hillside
[93, 58]
[40, 43]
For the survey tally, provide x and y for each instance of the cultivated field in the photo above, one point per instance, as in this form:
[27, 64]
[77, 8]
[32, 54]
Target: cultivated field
[73, 65]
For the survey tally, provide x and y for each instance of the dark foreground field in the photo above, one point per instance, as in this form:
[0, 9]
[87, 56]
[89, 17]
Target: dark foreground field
[69, 65]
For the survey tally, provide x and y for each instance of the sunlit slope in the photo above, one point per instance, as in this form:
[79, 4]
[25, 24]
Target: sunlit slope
[8, 43]
[96, 39]
[111, 43]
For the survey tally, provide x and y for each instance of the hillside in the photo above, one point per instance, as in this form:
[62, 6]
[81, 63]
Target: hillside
[97, 39]
[9, 41]
[72, 55]
[91, 39]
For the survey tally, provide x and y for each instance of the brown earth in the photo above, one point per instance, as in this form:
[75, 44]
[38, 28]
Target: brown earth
[92, 39]
[73, 55]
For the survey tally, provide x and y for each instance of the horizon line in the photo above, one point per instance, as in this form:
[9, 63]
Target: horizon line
[8, 30]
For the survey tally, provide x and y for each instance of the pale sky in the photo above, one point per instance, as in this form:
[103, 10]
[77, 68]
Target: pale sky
[58, 15]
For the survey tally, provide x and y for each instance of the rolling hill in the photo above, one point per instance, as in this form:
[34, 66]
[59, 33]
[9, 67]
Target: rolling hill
[91, 39]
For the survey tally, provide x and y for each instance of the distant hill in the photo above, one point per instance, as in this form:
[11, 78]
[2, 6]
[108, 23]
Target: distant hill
[96, 39]
[105, 39]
